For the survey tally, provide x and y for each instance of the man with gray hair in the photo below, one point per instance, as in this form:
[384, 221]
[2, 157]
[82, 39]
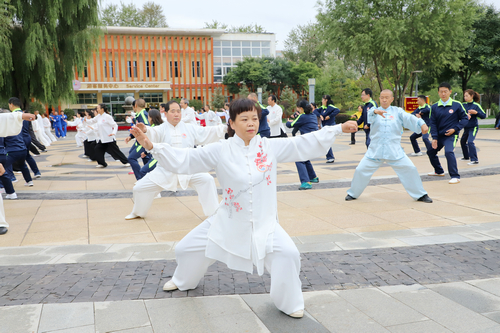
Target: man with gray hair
[188, 114]
[386, 127]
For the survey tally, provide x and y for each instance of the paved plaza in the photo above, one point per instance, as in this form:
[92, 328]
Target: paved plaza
[382, 263]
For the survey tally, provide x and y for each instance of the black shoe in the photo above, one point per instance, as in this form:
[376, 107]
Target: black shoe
[349, 198]
[352, 143]
[3, 230]
[425, 198]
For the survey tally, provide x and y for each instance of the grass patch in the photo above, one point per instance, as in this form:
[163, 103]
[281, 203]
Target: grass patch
[487, 126]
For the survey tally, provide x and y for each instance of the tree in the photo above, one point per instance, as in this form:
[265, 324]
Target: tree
[288, 100]
[399, 36]
[253, 72]
[304, 43]
[215, 25]
[6, 12]
[218, 99]
[128, 15]
[249, 29]
[243, 92]
[301, 73]
[47, 46]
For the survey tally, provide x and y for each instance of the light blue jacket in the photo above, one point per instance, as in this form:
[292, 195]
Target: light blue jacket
[386, 132]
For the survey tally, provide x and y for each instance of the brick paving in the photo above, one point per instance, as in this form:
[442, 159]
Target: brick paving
[338, 270]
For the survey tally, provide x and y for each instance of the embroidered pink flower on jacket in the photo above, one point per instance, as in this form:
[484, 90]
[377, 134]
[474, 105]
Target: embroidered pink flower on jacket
[268, 178]
[237, 206]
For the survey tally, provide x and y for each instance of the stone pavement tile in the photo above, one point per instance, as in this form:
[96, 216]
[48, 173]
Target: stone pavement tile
[298, 222]
[146, 329]
[65, 316]
[20, 318]
[83, 249]
[375, 228]
[381, 307]
[94, 257]
[68, 186]
[123, 228]
[448, 230]
[477, 218]
[143, 237]
[370, 244]
[317, 247]
[116, 316]
[276, 321]
[81, 329]
[152, 255]
[439, 239]
[427, 326]
[55, 225]
[24, 260]
[469, 296]
[206, 314]
[489, 285]
[167, 223]
[485, 226]
[404, 215]
[337, 315]
[430, 223]
[131, 248]
[171, 236]
[66, 236]
[25, 250]
[495, 316]
[445, 312]
[388, 234]
[401, 288]
[327, 238]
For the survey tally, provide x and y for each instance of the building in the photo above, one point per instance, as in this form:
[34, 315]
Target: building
[159, 64]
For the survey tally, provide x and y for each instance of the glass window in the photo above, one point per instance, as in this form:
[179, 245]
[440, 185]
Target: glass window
[255, 52]
[216, 52]
[235, 60]
[255, 44]
[226, 61]
[105, 98]
[237, 52]
[266, 51]
[246, 51]
[226, 51]
[245, 44]
[226, 43]
[227, 70]
[236, 43]
[152, 97]
[217, 79]
[216, 42]
[87, 99]
[266, 44]
[217, 61]
[217, 71]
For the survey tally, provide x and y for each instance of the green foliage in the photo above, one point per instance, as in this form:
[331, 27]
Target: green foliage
[218, 99]
[248, 29]
[49, 39]
[6, 12]
[70, 113]
[36, 106]
[215, 25]
[196, 104]
[304, 43]
[128, 15]
[243, 92]
[288, 100]
[301, 73]
[399, 36]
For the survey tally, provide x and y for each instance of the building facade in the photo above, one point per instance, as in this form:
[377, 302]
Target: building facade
[159, 64]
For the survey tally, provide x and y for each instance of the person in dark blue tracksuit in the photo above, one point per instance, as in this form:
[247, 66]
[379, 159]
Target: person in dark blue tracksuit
[64, 123]
[474, 110]
[327, 113]
[5, 179]
[423, 112]
[306, 122]
[154, 118]
[27, 141]
[264, 129]
[136, 151]
[366, 97]
[448, 117]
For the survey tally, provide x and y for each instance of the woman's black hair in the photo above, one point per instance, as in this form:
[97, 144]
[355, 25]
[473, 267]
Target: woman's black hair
[90, 112]
[305, 105]
[104, 107]
[238, 106]
[328, 100]
[155, 116]
[314, 105]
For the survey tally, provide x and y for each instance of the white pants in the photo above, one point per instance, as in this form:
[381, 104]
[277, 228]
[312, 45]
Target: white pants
[49, 134]
[405, 169]
[146, 190]
[41, 137]
[79, 138]
[3, 223]
[283, 264]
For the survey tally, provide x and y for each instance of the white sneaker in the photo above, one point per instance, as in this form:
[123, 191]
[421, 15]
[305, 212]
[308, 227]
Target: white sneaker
[38, 176]
[89, 160]
[454, 181]
[435, 174]
[126, 165]
[473, 163]
[297, 314]
[331, 160]
[169, 286]
[84, 156]
[158, 196]
[12, 196]
[99, 166]
[30, 184]
[131, 216]
[18, 172]
[15, 180]
[417, 154]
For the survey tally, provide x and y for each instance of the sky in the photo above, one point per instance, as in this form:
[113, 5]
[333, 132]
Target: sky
[278, 16]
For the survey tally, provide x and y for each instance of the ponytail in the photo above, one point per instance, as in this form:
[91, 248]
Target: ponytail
[305, 105]
[475, 96]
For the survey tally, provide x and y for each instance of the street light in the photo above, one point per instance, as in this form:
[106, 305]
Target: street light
[259, 94]
[416, 81]
[312, 83]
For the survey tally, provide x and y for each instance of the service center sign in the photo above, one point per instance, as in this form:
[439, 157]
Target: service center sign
[411, 103]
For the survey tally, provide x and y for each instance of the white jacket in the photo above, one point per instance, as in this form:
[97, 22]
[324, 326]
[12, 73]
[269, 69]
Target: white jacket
[105, 126]
[188, 116]
[274, 118]
[11, 123]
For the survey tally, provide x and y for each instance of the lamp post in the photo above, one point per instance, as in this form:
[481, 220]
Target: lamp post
[416, 81]
[312, 83]
[259, 94]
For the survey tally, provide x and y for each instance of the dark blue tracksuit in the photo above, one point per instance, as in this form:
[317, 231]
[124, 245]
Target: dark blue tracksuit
[27, 142]
[5, 178]
[64, 124]
[424, 112]
[470, 131]
[305, 123]
[364, 119]
[329, 111]
[16, 152]
[445, 117]
[264, 130]
[135, 151]
[57, 121]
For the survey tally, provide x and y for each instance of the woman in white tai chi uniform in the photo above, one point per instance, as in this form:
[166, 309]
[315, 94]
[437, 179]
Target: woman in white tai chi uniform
[47, 126]
[245, 230]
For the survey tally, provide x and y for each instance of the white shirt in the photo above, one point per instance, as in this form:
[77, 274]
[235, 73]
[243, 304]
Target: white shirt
[11, 123]
[274, 118]
[46, 123]
[224, 114]
[90, 130]
[211, 119]
[241, 232]
[181, 136]
[39, 120]
[106, 126]
[188, 116]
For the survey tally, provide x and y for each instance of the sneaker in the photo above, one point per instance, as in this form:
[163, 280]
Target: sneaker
[417, 154]
[352, 143]
[425, 198]
[30, 183]
[36, 155]
[305, 186]
[38, 176]
[473, 162]
[169, 286]
[126, 165]
[297, 314]
[464, 159]
[315, 180]
[131, 216]
[331, 160]
[131, 173]
[99, 166]
[158, 196]
[84, 156]
[435, 174]
[89, 160]
[18, 172]
[349, 198]
[15, 180]
[44, 151]
[12, 196]
[2, 190]
[454, 181]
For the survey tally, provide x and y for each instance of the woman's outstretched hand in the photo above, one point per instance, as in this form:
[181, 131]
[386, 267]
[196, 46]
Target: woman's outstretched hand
[350, 127]
[141, 138]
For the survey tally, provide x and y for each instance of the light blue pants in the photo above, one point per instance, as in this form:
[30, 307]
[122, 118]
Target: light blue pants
[406, 171]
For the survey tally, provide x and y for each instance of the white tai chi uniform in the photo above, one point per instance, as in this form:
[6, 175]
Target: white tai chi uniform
[10, 124]
[245, 231]
[188, 116]
[40, 131]
[182, 136]
[274, 117]
[385, 147]
[211, 119]
[47, 126]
